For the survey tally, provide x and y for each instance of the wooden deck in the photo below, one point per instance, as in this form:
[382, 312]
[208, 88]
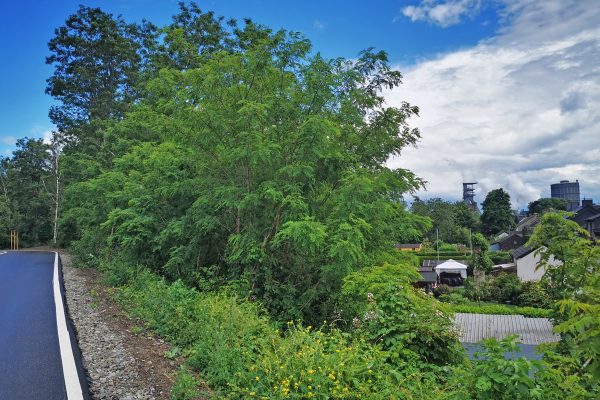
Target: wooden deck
[476, 327]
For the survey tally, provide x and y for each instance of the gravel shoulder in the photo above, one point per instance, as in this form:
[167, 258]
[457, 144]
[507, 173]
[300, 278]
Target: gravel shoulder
[123, 361]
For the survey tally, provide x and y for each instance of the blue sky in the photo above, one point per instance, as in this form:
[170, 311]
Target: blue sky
[471, 65]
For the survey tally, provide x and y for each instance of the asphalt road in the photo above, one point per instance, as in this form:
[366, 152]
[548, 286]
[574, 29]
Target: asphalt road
[36, 347]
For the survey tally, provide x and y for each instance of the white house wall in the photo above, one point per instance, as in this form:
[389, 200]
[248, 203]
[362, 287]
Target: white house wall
[526, 267]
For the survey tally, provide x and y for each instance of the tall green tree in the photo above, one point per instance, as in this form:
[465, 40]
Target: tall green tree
[497, 216]
[97, 64]
[270, 170]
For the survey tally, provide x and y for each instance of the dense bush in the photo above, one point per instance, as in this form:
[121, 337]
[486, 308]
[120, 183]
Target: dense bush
[242, 355]
[500, 257]
[534, 295]
[441, 290]
[496, 377]
[507, 288]
[405, 321]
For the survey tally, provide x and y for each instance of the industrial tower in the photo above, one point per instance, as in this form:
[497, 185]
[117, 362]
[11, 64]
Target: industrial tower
[469, 195]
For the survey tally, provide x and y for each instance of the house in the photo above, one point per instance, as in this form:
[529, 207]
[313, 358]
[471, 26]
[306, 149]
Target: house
[592, 225]
[409, 247]
[509, 241]
[527, 260]
[428, 278]
[588, 217]
[528, 224]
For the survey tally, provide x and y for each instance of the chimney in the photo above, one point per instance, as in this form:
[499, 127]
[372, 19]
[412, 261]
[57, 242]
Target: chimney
[587, 202]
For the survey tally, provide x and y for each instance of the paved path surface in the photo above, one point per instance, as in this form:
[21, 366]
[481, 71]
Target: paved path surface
[530, 331]
[33, 360]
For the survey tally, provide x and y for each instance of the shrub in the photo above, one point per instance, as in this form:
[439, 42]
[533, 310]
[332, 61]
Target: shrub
[441, 290]
[496, 377]
[481, 292]
[406, 322]
[306, 364]
[506, 288]
[448, 247]
[500, 257]
[453, 298]
[218, 332]
[534, 295]
[242, 355]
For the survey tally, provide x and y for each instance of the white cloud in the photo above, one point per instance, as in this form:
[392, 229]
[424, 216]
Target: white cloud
[47, 136]
[519, 111]
[8, 140]
[319, 25]
[443, 13]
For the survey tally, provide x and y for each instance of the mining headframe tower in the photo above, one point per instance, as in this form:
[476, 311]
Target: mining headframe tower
[469, 195]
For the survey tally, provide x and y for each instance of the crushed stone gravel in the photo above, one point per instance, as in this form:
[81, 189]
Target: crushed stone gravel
[121, 364]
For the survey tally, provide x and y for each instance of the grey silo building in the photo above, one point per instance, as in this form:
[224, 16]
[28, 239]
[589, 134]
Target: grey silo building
[568, 191]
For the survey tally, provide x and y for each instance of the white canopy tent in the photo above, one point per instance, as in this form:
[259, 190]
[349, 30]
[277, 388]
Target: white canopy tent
[453, 267]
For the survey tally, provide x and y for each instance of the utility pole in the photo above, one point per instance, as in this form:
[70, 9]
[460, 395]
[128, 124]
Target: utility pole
[437, 243]
[470, 242]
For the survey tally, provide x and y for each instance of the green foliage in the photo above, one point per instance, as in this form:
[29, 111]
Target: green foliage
[500, 257]
[508, 286]
[575, 279]
[453, 298]
[533, 294]
[496, 377]
[480, 259]
[451, 221]
[185, 387]
[497, 215]
[242, 355]
[405, 321]
[544, 205]
[501, 309]
[276, 177]
[28, 186]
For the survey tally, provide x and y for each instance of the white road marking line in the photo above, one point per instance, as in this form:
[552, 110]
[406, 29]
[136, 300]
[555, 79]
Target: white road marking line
[66, 352]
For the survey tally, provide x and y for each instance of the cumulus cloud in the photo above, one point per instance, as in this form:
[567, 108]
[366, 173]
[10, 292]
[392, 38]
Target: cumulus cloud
[519, 111]
[442, 13]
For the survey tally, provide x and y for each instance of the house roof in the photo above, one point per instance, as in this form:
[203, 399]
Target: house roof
[507, 237]
[428, 275]
[526, 222]
[504, 266]
[431, 263]
[522, 251]
[593, 218]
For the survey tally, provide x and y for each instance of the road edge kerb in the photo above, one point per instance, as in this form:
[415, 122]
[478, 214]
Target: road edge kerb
[75, 376]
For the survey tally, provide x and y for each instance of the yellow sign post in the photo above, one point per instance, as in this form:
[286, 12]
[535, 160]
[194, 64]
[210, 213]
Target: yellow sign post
[14, 240]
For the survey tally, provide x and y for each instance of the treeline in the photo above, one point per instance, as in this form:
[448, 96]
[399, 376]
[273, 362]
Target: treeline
[30, 192]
